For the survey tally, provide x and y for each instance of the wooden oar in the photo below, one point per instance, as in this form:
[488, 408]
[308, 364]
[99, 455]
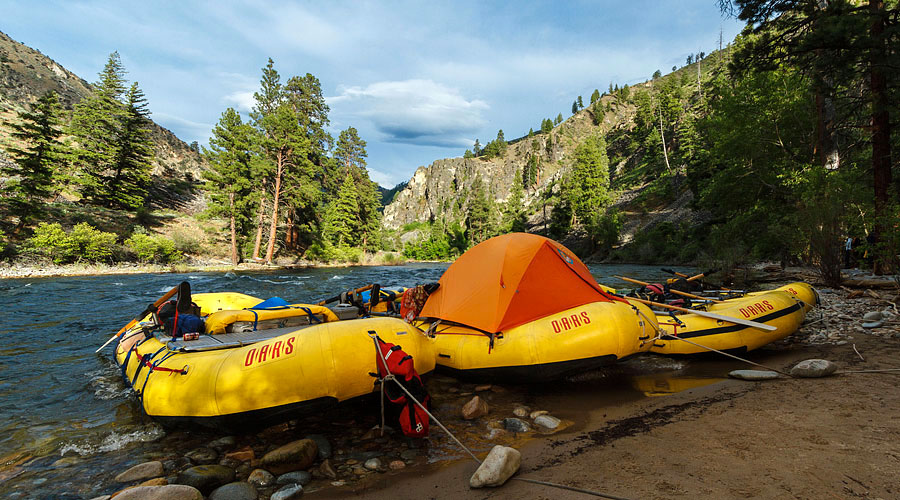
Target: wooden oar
[730, 319]
[146, 311]
[692, 278]
[676, 292]
[338, 297]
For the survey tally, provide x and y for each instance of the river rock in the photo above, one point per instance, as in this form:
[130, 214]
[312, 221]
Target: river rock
[300, 477]
[873, 316]
[245, 454]
[223, 443]
[297, 455]
[327, 469]
[409, 454]
[475, 408]
[372, 464]
[873, 324]
[521, 411]
[261, 478]
[323, 444]
[753, 375]
[156, 481]
[482, 388]
[102, 497]
[813, 368]
[142, 471]
[547, 421]
[396, 464]
[537, 413]
[289, 492]
[500, 464]
[206, 477]
[235, 491]
[516, 425]
[202, 456]
[169, 492]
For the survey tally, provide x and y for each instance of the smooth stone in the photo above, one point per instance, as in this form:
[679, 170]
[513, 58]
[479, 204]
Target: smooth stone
[537, 413]
[494, 434]
[261, 478]
[289, 492]
[753, 375]
[547, 421]
[156, 481]
[297, 455]
[516, 425]
[397, 464]
[300, 477]
[169, 492]
[500, 464]
[202, 456]
[206, 477]
[372, 464]
[235, 491]
[521, 411]
[243, 455]
[813, 368]
[873, 316]
[142, 471]
[409, 454]
[223, 443]
[323, 444]
[475, 408]
[481, 388]
[873, 324]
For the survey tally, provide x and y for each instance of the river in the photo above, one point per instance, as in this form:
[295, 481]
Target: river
[68, 423]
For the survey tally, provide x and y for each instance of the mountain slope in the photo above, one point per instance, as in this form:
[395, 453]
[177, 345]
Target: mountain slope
[26, 74]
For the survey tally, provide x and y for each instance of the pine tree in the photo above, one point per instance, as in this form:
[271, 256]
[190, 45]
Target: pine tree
[546, 126]
[589, 179]
[228, 181]
[595, 96]
[126, 185]
[31, 178]
[480, 213]
[580, 103]
[514, 210]
[574, 107]
[341, 217]
[559, 119]
[476, 149]
[96, 126]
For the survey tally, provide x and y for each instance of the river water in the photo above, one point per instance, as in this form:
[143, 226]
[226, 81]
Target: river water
[68, 423]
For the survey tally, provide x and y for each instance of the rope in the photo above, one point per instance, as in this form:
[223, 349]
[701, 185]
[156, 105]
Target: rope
[412, 398]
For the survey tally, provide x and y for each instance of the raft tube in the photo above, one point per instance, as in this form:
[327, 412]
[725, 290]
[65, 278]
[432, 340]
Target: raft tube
[232, 380]
[575, 340]
[784, 308]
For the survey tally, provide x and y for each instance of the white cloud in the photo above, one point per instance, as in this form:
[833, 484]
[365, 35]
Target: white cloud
[242, 100]
[417, 111]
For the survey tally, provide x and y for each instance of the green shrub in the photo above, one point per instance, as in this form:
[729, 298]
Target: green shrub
[83, 243]
[186, 243]
[149, 248]
[325, 251]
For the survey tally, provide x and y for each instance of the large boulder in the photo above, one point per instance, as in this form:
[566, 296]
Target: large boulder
[206, 478]
[141, 472]
[500, 464]
[297, 455]
[169, 492]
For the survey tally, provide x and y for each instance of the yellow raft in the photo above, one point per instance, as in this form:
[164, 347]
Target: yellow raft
[578, 339]
[298, 359]
[784, 308]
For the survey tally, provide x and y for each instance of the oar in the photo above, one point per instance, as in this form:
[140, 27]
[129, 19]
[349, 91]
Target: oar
[730, 319]
[676, 292]
[697, 277]
[338, 297]
[146, 311]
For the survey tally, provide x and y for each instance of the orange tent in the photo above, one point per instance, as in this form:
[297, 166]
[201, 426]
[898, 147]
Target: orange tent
[510, 280]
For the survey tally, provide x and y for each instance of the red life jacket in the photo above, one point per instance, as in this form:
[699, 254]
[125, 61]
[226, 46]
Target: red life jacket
[413, 419]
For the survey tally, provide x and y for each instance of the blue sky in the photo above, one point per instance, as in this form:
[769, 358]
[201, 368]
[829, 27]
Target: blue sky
[419, 80]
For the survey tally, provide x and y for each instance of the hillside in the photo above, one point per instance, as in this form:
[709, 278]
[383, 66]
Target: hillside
[644, 193]
[26, 74]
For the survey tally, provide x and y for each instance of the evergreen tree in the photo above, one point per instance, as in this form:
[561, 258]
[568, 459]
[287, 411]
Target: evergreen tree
[468, 154]
[546, 126]
[514, 211]
[341, 215]
[657, 74]
[36, 161]
[127, 183]
[96, 126]
[476, 149]
[580, 103]
[530, 133]
[480, 213]
[574, 107]
[351, 149]
[559, 119]
[595, 96]
[228, 183]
